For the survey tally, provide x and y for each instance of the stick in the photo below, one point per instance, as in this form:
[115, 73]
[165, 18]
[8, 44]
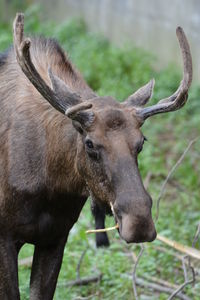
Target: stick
[182, 248]
[161, 282]
[171, 172]
[159, 288]
[197, 234]
[147, 180]
[134, 279]
[168, 251]
[175, 293]
[190, 267]
[79, 263]
[103, 230]
[86, 298]
[83, 281]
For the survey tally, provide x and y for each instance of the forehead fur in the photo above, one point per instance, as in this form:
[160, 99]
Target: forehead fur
[112, 114]
[103, 102]
[114, 119]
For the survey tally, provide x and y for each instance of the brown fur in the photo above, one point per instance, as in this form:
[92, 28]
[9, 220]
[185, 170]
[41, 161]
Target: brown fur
[47, 172]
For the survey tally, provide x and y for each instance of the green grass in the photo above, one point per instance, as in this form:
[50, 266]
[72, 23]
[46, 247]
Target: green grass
[118, 72]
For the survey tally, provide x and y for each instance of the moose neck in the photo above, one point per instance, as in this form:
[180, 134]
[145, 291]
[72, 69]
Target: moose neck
[61, 144]
[55, 134]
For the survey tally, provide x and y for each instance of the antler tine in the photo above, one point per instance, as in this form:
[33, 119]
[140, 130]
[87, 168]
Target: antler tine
[70, 112]
[22, 50]
[18, 30]
[179, 98]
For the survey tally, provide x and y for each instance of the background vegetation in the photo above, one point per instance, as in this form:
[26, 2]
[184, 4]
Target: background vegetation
[118, 72]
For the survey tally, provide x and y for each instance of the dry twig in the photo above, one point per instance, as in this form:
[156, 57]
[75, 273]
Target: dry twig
[176, 292]
[197, 235]
[168, 251]
[86, 298]
[83, 281]
[79, 263]
[159, 288]
[171, 172]
[185, 267]
[182, 248]
[186, 277]
[103, 229]
[161, 282]
[147, 179]
[134, 271]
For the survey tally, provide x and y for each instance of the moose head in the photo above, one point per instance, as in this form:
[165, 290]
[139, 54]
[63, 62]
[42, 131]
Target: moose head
[109, 137]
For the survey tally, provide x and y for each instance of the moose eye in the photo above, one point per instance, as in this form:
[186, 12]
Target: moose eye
[140, 145]
[139, 148]
[89, 144]
[91, 151]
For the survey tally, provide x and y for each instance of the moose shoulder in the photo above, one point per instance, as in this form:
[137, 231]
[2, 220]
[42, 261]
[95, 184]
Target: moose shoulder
[60, 143]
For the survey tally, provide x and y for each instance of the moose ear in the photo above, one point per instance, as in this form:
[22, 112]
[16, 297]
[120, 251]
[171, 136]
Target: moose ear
[63, 92]
[142, 95]
[76, 110]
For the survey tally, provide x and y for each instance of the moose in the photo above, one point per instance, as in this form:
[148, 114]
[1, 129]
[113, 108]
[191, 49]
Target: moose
[60, 144]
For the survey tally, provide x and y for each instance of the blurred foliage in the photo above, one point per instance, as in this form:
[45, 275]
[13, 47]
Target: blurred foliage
[118, 72]
[9, 7]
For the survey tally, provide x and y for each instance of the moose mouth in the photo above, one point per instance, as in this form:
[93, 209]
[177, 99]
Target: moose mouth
[133, 239]
[131, 229]
[134, 229]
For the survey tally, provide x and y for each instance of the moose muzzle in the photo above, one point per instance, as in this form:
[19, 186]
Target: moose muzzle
[137, 229]
[135, 221]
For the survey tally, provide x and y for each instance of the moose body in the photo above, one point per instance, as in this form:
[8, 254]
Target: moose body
[55, 153]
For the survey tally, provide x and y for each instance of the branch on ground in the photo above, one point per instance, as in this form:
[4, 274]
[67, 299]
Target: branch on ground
[179, 161]
[83, 281]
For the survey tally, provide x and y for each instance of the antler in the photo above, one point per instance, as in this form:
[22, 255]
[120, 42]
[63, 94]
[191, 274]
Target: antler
[179, 98]
[73, 105]
[22, 50]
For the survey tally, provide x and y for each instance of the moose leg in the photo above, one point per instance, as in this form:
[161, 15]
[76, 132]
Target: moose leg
[8, 271]
[45, 269]
[99, 216]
